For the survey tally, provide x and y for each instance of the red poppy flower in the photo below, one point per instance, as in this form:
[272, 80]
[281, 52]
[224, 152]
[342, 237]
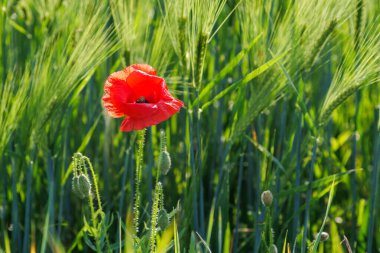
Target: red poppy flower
[140, 95]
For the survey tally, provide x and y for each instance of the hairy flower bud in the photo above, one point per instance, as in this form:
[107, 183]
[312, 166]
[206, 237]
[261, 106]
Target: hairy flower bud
[74, 185]
[164, 162]
[81, 186]
[267, 198]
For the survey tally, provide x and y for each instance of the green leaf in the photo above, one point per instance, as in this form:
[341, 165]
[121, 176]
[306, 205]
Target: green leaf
[315, 246]
[210, 223]
[227, 239]
[193, 246]
[177, 245]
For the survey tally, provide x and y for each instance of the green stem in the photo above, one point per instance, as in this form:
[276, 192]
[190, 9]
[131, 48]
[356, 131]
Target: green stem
[271, 241]
[308, 195]
[155, 208]
[93, 216]
[93, 175]
[94, 223]
[96, 212]
[140, 154]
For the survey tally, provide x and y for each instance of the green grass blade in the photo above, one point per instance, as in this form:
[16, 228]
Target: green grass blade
[316, 243]
[245, 80]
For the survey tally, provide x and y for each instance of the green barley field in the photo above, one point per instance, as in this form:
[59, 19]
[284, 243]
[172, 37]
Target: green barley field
[190, 126]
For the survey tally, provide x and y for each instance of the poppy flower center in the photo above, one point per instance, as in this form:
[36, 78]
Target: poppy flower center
[141, 100]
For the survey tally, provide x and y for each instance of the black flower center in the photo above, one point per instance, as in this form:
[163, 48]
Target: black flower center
[141, 100]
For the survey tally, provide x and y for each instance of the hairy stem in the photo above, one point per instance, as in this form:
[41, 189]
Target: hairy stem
[139, 165]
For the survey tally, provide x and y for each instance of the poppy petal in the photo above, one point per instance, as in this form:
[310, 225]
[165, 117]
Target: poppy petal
[163, 111]
[168, 109]
[145, 68]
[132, 124]
[147, 86]
[112, 109]
[142, 110]
[117, 77]
[116, 96]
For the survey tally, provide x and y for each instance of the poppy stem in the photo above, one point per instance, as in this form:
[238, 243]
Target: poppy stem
[155, 209]
[99, 210]
[93, 175]
[139, 165]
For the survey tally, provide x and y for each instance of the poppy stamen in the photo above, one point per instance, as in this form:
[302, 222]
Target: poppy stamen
[141, 100]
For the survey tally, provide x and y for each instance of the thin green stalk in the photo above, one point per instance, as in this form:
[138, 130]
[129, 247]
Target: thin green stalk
[331, 195]
[258, 217]
[373, 212]
[50, 211]
[63, 188]
[95, 183]
[297, 152]
[194, 176]
[267, 234]
[106, 160]
[139, 166]
[200, 173]
[155, 209]
[15, 207]
[94, 221]
[237, 219]
[96, 213]
[124, 180]
[27, 218]
[353, 180]
[308, 196]
[150, 166]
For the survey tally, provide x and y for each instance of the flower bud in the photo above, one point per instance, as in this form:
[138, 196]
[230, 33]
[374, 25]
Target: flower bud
[324, 236]
[81, 186]
[164, 162]
[77, 156]
[163, 219]
[267, 198]
[74, 185]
